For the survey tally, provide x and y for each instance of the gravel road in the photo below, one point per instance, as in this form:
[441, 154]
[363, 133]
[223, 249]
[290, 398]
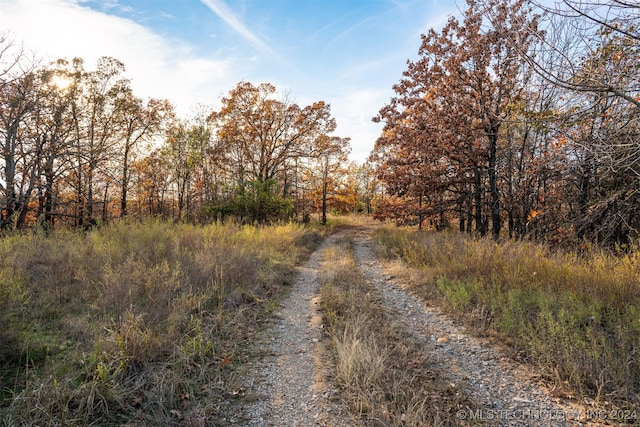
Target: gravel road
[288, 384]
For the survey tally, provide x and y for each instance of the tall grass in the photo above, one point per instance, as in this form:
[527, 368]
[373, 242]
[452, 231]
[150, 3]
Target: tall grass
[135, 324]
[385, 376]
[577, 316]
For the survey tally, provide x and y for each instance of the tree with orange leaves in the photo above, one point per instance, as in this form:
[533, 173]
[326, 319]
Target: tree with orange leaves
[441, 140]
[261, 141]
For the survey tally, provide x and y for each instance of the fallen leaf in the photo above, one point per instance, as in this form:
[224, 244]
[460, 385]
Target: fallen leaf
[239, 392]
[138, 397]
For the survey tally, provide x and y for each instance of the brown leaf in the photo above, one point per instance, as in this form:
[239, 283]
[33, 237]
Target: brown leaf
[138, 398]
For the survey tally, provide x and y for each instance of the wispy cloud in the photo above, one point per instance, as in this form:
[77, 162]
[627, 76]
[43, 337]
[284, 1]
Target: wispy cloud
[352, 29]
[159, 67]
[222, 10]
[354, 110]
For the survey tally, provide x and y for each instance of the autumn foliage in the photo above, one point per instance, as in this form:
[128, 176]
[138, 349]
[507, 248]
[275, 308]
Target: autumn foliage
[80, 149]
[479, 134]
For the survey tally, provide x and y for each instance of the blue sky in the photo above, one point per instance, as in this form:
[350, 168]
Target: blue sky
[348, 53]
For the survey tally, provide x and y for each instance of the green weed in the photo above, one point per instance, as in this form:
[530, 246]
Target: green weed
[574, 315]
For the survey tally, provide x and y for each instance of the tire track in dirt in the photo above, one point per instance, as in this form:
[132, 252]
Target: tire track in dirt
[505, 390]
[285, 386]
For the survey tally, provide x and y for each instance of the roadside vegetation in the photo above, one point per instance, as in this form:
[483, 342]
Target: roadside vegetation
[385, 377]
[576, 315]
[136, 324]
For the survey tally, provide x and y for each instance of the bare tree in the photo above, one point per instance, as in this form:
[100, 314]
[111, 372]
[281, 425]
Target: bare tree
[138, 123]
[590, 49]
[579, 29]
[18, 100]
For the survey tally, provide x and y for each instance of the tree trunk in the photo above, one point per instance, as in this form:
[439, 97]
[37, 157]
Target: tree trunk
[324, 201]
[477, 199]
[89, 211]
[48, 198]
[105, 204]
[125, 181]
[8, 210]
[420, 218]
[493, 183]
[585, 194]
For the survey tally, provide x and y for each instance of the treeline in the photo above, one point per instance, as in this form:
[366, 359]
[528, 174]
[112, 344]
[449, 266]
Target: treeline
[520, 121]
[79, 148]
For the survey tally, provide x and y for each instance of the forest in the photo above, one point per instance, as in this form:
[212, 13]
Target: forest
[144, 257]
[517, 120]
[80, 149]
[520, 121]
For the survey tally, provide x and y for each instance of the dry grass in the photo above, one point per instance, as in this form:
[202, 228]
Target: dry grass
[577, 316]
[336, 221]
[385, 376]
[139, 324]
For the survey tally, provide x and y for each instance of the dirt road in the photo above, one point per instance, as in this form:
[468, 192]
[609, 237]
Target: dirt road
[288, 384]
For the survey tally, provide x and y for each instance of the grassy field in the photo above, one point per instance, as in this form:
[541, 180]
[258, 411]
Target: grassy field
[577, 316]
[386, 378]
[145, 324]
[137, 325]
